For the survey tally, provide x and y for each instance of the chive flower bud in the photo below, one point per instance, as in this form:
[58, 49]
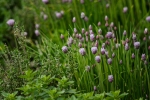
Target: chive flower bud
[98, 59]
[92, 37]
[145, 31]
[82, 51]
[143, 57]
[110, 78]
[137, 45]
[109, 61]
[37, 33]
[113, 55]
[82, 15]
[106, 18]
[126, 46]
[99, 23]
[124, 32]
[133, 56]
[94, 50]
[125, 9]
[109, 35]
[148, 18]
[45, 1]
[103, 51]
[10, 22]
[65, 49]
[74, 19]
[95, 88]
[88, 68]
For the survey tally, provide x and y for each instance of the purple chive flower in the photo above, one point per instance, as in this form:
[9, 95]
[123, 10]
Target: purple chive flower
[113, 55]
[88, 68]
[92, 37]
[95, 88]
[37, 33]
[70, 41]
[65, 49]
[94, 50]
[107, 5]
[110, 78]
[137, 45]
[124, 32]
[83, 30]
[58, 14]
[82, 51]
[126, 46]
[109, 61]
[80, 44]
[112, 24]
[82, 15]
[133, 56]
[125, 9]
[75, 30]
[98, 59]
[99, 23]
[109, 35]
[145, 31]
[143, 57]
[82, 1]
[37, 26]
[91, 32]
[148, 18]
[90, 27]
[25, 33]
[120, 62]
[45, 16]
[99, 31]
[117, 45]
[10, 22]
[62, 36]
[106, 18]
[45, 1]
[134, 36]
[74, 19]
[103, 51]
[86, 18]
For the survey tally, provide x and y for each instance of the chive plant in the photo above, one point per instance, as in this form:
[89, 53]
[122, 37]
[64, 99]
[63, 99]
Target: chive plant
[116, 62]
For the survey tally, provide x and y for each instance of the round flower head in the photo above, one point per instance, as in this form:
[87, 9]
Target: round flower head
[99, 23]
[45, 16]
[90, 27]
[74, 19]
[137, 45]
[83, 30]
[82, 14]
[106, 18]
[98, 59]
[94, 50]
[125, 9]
[10, 22]
[126, 46]
[45, 1]
[120, 61]
[92, 37]
[37, 33]
[82, 51]
[109, 35]
[58, 14]
[148, 18]
[65, 49]
[95, 88]
[113, 55]
[143, 57]
[62, 36]
[133, 56]
[110, 78]
[103, 51]
[87, 68]
[109, 61]
[82, 1]
[112, 24]
[37, 26]
[124, 32]
[70, 41]
[86, 18]
[134, 36]
[145, 31]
